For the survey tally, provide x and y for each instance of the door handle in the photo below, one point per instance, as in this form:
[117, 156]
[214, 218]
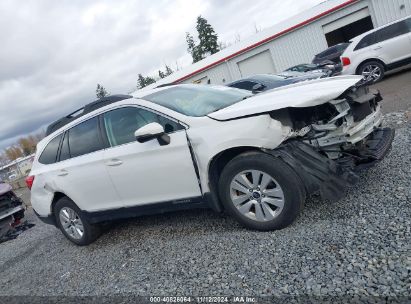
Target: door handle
[378, 48]
[114, 162]
[63, 173]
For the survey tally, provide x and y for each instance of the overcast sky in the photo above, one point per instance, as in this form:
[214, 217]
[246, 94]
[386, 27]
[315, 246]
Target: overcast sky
[53, 53]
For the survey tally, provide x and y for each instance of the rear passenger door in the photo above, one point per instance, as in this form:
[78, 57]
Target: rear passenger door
[393, 42]
[81, 172]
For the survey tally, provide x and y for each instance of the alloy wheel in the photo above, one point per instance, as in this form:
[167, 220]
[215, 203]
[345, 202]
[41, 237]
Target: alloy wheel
[71, 223]
[372, 72]
[257, 195]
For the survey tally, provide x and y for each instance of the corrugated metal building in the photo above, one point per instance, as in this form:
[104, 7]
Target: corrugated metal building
[293, 41]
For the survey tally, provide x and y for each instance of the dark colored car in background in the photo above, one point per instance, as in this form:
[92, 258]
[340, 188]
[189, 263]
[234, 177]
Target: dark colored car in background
[264, 82]
[303, 68]
[332, 54]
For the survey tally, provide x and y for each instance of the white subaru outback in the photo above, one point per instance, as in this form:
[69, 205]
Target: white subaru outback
[256, 157]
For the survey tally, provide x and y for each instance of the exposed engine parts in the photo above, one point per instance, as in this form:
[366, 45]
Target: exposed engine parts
[339, 127]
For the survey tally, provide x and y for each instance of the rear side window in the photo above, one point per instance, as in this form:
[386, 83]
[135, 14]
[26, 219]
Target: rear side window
[392, 31]
[342, 47]
[85, 138]
[49, 154]
[327, 52]
[120, 124]
[366, 41]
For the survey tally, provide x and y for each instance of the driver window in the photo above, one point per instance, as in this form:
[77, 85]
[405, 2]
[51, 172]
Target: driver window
[120, 124]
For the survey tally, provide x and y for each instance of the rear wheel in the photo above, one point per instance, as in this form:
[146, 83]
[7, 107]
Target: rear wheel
[261, 192]
[372, 71]
[74, 224]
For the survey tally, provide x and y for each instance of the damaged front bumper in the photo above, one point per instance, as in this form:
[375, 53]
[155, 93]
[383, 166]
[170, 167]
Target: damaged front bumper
[331, 177]
[11, 209]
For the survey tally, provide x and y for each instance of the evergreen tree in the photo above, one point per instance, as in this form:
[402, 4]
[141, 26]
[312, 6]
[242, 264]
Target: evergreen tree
[101, 91]
[208, 41]
[161, 74]
[141, 81]
[193, 49]
[169, 71]
[207, 36]
[149, 80]
[144, 81]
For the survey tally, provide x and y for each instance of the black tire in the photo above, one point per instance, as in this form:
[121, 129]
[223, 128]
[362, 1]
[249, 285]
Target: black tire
[284, 175]
[368, 65]
[91, 231]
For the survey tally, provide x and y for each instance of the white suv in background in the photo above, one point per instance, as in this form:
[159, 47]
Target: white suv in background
[190, 146]
[377, 51]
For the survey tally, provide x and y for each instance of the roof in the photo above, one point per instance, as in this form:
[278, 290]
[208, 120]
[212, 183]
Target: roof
[84, 110]
[265, 36]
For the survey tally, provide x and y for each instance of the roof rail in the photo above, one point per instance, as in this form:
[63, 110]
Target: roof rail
[99, 103]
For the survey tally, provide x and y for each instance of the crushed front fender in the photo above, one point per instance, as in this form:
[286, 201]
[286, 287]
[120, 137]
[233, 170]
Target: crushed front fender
[332, 177]
[317, 172]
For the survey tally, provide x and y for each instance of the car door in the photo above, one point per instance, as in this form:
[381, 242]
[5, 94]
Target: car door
[145, 173]
[393, 43]
[81, 172]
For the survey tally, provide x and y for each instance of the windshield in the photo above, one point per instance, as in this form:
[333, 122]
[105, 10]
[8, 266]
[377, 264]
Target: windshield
[197, 100]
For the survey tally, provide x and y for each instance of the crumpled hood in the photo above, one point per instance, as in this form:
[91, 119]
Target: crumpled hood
[299, 95]
[4, 188]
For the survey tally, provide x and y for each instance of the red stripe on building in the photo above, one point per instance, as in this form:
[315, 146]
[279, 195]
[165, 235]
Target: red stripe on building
[336, 8]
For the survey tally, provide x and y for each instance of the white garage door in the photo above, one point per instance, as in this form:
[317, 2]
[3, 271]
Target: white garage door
[351, 18]
[261, 63]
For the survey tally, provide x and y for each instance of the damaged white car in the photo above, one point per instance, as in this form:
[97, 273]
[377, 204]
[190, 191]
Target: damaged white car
[187, 146]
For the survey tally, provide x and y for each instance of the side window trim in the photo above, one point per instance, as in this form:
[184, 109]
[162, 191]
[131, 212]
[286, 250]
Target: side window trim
[61, 145]
[66, 134]
[102, 130]
[184, 126]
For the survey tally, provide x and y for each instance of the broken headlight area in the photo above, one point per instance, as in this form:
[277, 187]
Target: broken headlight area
[337, 128]
[332, 141]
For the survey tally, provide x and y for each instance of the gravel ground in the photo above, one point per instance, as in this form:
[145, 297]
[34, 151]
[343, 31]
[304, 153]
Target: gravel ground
[359, 247]
[396, 90]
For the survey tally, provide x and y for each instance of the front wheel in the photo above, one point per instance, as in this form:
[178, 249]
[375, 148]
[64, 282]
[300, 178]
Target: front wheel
[372, 71]
[261, 191]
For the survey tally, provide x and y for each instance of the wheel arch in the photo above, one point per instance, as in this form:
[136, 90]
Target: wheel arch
[216, 166]
[357, 70]
[57, 196]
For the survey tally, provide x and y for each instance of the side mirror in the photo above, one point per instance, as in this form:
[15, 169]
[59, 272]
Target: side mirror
[152, 131]
[257, 88]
